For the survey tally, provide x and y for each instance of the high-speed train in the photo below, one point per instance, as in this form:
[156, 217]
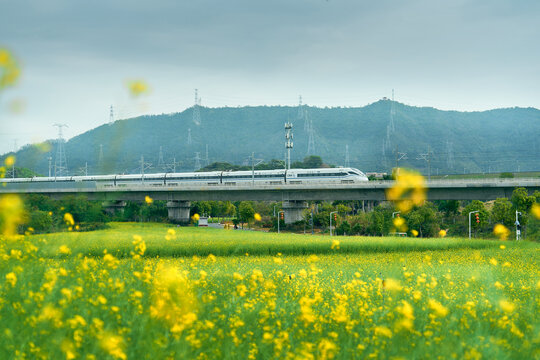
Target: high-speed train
[216, 178]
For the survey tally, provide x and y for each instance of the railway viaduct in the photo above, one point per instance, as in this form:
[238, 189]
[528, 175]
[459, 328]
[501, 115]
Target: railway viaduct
[294, 197]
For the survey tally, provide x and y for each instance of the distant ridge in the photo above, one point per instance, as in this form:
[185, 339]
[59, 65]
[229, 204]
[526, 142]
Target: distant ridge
[479, 141]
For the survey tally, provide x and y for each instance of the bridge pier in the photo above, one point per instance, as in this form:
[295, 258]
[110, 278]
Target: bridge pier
[178, 211]
[114, 207]
[293, 210]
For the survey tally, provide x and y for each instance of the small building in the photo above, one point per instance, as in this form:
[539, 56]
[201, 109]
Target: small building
[203, 221]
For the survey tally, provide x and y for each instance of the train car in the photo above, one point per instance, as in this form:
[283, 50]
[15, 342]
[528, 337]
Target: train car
[214, 178]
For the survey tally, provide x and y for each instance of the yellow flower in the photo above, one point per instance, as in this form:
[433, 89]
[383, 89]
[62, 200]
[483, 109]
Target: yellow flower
[64, 250]
[506, 306]
[408, 190]
[442, 233]
[501, 231]
[399, 224]
[196, 217]
[535, 210]
[113, 345]
[11, 214]
[414, 233]
[11, 278]
[502, 247]
[257, 217]
[335, 245]
[439, 309]
[383, 331]
[68, 219]
[493, 262]
[391, 285]
[148, 200]
[171, 235]
[10, 161]
[137, 87]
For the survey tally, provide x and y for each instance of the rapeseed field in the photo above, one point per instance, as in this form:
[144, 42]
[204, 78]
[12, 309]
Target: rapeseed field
[139, 291]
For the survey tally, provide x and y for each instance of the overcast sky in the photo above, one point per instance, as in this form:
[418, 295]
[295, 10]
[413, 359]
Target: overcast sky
[76, 56]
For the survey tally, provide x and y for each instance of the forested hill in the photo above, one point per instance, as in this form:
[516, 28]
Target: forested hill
[495, 140]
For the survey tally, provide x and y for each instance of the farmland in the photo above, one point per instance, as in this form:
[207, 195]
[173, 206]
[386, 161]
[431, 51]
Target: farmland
[157, 291]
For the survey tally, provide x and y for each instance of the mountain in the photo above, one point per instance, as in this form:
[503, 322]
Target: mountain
[452, 141]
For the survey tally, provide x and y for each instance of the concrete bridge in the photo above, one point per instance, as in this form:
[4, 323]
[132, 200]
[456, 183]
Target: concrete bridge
[293, 196]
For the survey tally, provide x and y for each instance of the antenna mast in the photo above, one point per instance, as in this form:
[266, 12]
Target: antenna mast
[288, 142]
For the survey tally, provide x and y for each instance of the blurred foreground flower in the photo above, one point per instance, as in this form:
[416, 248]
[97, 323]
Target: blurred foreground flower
[535, 210]
[11, 214]
[442, 233]
[68, 219]
[10, 161]
[9, 69]
[196, 217]
[148, 200]
[501, 231]
[137, 87]
[257, 217]
[409, 190]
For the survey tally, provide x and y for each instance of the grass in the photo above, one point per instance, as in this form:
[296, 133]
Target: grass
[193, 241]
[261, 295]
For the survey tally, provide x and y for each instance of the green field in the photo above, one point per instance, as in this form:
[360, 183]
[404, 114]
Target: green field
[221, 294]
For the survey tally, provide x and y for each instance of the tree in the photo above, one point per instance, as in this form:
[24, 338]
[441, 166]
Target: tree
[424, 219]
[502, 212]
[483, 214]
[522, 201]
[246, 212]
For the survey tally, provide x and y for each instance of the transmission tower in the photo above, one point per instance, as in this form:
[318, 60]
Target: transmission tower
[60, 162]
[300, 115]
[392, 113]
[189, 137]
[197, 161]
[161, 162]
[100, 158]
[111, 115]
[196, 112]
[347, 163]
[449, 155]
[311, 134]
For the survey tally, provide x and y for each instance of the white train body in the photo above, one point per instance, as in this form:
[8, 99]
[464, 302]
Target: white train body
[214, 178]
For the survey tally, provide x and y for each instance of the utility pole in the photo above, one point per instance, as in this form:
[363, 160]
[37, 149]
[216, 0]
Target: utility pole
[347, 163]
[50, 165]
[144, 166]
[288, 142]
[399, 156]
[518, 226]
[427, 158]
[161, 162]
[207, 161]
[253, 169]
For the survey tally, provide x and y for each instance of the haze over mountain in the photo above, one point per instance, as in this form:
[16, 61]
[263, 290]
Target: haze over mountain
[457, 142]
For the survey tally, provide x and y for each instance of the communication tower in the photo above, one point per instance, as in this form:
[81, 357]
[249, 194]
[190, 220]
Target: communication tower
[288, 142]
[300, 115]
[60, 162]
[196, 112]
